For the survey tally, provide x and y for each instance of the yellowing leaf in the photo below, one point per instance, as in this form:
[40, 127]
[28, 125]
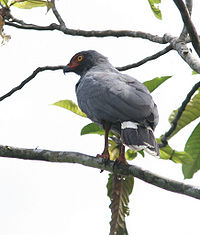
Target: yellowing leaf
[70, 105]
[5, 38]
[28, 4]
[155, 8]
[113, 150]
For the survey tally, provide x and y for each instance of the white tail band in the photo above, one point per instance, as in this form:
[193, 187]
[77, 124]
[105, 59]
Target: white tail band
[129, 124]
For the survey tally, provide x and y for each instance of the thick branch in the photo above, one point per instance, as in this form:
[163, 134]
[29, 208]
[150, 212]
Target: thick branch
[185, 53]
[189, 25]
[28, 79]
[179, 114]
[184, 32]
[83, 159]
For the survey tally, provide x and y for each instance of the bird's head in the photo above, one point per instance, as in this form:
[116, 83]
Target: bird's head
[82, 61]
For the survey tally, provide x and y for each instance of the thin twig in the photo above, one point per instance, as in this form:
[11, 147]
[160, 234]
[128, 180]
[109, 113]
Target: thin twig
[21, 25]
[189, 25]
[57, 15]
[53, 68]
[89, 33]
[149, 58]
[35, 72]
[74, 157]
[178, 115]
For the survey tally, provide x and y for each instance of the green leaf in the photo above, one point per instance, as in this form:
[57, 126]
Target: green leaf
[92, 128]
[168, 153]
[130, 154]
[119, 189]
[155, 8]
[28, 4]
[70, 105]
[155, 82]
[192, 147]
[191, 112]
[194, 72]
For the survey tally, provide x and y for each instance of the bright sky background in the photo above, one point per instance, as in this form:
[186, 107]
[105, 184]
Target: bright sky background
[40, 198]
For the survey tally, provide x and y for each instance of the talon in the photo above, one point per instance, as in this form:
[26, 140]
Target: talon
[121, 158]
[106, 158]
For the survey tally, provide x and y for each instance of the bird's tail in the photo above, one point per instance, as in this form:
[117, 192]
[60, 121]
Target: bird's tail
[139, 137]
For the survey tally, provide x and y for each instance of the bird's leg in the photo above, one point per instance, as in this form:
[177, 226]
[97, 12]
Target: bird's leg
[121, 158]
[105, 153]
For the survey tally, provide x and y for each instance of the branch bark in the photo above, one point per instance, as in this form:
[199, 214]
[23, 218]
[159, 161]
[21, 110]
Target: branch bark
[88, 33]
[185, 53]
[83, 159]
[57, 15]
[28, 79]
[148, 58]
[189, 25]
[184, 32]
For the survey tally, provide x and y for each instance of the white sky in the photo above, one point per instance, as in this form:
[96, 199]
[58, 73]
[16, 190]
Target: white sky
[40, 198]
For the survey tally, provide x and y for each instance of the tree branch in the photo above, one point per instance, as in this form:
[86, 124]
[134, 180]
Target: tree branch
[53, 68]
[185, 53]
[178, 115]
[83, 159]
[176, 43]
[35, 72]
[184, 32]
[91, 33]
[57, 15]
[189, 25]
[149, 58]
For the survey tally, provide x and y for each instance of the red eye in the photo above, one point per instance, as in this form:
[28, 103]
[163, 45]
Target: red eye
[80, 58]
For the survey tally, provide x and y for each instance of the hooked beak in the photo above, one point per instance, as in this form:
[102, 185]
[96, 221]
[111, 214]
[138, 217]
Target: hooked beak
[66, 69]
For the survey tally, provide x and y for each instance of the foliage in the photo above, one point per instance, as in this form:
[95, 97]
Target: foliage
[119, 188]
[192, 147]
[156, 82]
[70, 105]
[27, 4]
[182, 157]
[155, 8]
[191, 113]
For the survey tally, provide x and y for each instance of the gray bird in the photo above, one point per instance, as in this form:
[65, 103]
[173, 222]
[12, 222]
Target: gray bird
[116, 102]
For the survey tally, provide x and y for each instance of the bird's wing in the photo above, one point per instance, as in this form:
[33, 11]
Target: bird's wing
[114, 97]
